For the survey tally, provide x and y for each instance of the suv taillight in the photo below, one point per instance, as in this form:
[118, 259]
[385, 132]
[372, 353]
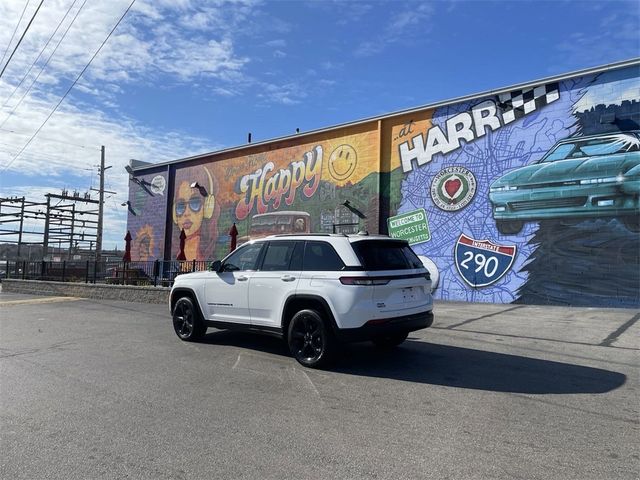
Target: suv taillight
[363, 281]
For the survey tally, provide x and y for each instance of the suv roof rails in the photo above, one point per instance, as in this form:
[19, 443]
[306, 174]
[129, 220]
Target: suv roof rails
[307, 235]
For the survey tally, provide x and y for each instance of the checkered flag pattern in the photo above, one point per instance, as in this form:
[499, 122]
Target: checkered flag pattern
[518, 103]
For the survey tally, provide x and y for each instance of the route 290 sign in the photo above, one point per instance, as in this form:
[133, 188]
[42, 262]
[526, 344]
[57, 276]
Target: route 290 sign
[482, 262]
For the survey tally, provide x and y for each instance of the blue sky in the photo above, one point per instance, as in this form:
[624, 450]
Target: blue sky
[184, 77]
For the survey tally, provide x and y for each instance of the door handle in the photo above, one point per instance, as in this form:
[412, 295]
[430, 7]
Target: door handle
[287, 278]
[242, 278]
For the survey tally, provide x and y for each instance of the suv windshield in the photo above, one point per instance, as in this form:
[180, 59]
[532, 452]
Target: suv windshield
[386, 255]
[593, 147]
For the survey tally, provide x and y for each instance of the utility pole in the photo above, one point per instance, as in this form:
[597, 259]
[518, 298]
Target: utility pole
[73, 222]
[101, 191]
[45, 241]
[100, 207]
[21, 226]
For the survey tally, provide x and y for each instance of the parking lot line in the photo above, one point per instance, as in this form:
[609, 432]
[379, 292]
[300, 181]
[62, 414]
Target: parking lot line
[529, 337]
[33, 301]
[455, 325]
[623, 328]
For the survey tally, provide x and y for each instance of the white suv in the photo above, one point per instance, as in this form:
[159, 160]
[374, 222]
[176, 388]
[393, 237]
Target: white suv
[314, 291]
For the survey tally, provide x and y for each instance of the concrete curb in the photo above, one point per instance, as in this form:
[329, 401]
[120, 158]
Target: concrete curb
[126, 293]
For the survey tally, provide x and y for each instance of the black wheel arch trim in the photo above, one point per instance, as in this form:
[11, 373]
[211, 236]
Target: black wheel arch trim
[175, 294]
[304, 296]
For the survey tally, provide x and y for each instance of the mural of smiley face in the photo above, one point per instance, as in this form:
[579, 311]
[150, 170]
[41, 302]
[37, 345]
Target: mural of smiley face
[342, 162]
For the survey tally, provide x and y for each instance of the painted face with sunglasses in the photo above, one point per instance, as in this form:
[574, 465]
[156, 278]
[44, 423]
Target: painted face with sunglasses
[188, 209]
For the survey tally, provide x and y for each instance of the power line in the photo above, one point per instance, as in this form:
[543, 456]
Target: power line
[50, 139]
[21, 38]
[24, 95]
[72, 85]
[11, 149]
[39, 55]
[14, 31]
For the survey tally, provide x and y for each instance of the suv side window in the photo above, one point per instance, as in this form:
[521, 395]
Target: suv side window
[320, 256]
[245, 258]
[278, 256]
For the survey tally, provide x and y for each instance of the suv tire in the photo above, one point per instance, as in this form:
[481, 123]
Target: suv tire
[310, 339]
[186, 320]
[390, 341]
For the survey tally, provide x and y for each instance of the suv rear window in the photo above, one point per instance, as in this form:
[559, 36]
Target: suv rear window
[386, 255]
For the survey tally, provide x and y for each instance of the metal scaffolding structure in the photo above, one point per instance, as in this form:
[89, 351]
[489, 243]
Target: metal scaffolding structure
[64, 225]
[13, 212]
[71, 223]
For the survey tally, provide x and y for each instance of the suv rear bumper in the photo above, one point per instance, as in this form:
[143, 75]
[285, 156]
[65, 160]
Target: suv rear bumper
[408, 323]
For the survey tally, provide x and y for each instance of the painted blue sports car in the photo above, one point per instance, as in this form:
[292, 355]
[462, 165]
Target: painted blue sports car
[580, 177]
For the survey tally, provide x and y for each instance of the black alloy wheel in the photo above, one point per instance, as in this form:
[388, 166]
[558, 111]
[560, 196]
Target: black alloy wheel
[310, 341]
[186, 320]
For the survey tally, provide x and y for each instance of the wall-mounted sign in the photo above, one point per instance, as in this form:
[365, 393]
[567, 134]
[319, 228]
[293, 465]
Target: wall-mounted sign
[453, 188]
[482, 262]
[411, 226]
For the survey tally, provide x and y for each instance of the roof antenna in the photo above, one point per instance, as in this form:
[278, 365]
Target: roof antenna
[249, 137]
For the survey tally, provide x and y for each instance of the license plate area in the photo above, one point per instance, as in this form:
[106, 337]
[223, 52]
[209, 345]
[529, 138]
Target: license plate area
[409, 294]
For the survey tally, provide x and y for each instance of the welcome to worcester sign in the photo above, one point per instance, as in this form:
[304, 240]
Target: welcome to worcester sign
[412, 226]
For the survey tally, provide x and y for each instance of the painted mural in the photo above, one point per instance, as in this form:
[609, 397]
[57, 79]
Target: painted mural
[146, 207]
[532, 195]
[528, 196]
[327, 185]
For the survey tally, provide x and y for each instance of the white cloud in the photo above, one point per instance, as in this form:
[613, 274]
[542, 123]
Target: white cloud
[278, 43]
[182, 40]
[329, 65]
[347, 11]
[616, 39]
[57, 154]
[288, 94]
[225, 92]
[160, 43]
[403, 25]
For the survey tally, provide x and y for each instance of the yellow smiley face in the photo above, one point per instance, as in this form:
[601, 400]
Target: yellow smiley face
[342, 162]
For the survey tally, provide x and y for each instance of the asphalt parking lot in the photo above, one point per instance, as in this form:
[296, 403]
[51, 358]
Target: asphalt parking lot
[100, 389]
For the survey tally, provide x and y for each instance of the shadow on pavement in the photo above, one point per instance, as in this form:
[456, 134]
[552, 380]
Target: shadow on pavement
[250, 341]
[450, 366]
[430, 363]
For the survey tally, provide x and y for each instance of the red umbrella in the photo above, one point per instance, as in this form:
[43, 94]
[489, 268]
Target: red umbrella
[183, 237]
[234, 237]
[127, 247]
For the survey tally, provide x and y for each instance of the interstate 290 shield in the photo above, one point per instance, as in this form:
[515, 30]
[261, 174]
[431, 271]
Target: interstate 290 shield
[482, 262]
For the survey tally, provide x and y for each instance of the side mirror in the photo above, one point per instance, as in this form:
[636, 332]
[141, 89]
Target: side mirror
[215, 266]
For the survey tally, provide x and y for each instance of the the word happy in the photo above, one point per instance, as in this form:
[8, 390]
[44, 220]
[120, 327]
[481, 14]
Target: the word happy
[267, 187]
